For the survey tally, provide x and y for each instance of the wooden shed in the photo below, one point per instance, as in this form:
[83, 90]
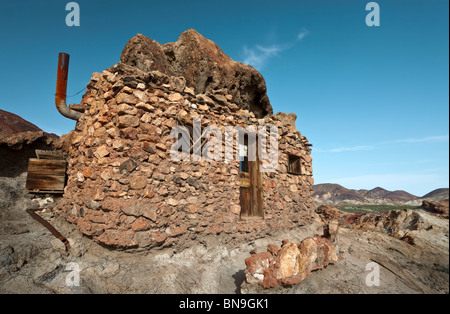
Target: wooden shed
[46, 173]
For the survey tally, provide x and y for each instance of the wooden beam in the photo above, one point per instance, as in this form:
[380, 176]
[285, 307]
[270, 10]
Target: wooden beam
[47, 166]
[36, 181]
[49, 154]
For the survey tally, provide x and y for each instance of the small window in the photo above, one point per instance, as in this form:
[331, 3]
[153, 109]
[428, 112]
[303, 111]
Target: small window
[294, 164]
[243, 155]
[185, 138]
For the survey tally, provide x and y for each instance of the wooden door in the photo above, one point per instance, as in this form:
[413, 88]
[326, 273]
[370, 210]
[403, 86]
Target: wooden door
[251, 197]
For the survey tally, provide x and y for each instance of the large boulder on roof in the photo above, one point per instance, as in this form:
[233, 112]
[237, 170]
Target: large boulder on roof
[204, 66]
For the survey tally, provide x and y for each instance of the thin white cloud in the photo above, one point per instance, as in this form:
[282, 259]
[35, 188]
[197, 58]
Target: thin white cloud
[345, 149]
[270, 50]
[302, 34]
[259, 55]
[442, 138]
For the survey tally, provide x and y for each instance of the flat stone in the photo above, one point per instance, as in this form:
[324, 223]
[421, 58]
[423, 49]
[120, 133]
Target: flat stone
[128, 121]
[172, 202]
[176, 97]
[126, 98]
[145, 106]
[123, 109]
[102, 151]
[128, 166]
[138, 183]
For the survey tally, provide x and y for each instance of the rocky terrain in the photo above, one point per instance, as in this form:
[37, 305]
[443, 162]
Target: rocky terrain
[33, 261]
[335, 194]
[437, 195]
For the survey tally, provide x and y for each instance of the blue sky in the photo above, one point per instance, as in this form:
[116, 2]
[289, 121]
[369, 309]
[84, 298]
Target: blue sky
[374, 101]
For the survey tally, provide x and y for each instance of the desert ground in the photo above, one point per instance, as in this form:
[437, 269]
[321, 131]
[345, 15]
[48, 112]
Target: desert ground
[33, 261]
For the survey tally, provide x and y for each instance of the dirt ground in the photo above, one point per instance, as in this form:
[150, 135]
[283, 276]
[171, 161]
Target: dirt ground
[34, 261]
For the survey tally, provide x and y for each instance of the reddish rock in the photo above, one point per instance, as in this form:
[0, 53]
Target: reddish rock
[138, 183]
[270, 278]
[128, 166]
[258, 262]
[203, 65]
[140, 224]
[150, 213]
[126, 98]
[158, 238]
[87, 172]
[292, 280]
[146, 146]
[145, 107]
[273, 249]
[329, 213]
[161, 146]
[101, 152]
[88, 228]
[291, 264]
[440, 208]
[126, 121]
[98, 218]
[289, 260]
[119, 239]
[176, 97]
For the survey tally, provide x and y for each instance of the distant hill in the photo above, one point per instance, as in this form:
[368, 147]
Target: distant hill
[11, 124]
[335, 194]
[329, 193]
[437, 195]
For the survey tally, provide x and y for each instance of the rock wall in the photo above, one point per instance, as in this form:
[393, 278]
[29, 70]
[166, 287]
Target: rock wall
[125, 191]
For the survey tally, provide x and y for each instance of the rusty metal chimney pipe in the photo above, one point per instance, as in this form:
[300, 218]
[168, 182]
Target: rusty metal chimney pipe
[61, 87]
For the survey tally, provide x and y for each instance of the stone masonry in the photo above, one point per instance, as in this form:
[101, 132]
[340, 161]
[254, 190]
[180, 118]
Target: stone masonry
[124, 190]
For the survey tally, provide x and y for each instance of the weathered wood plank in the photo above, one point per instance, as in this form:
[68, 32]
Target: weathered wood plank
[256, 208]
[47, 166]
[244, 179]
[36, 181]
[47, 191]
[49, 154]
[245, 201]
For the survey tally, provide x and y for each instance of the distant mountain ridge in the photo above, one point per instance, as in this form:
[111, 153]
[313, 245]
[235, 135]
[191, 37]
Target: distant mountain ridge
[335, 194]
[438, 194]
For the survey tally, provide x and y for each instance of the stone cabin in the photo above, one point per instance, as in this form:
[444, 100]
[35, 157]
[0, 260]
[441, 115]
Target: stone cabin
[123, 188]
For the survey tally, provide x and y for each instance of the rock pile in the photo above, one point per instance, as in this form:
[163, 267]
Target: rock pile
[401, 224]
[291, 263]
